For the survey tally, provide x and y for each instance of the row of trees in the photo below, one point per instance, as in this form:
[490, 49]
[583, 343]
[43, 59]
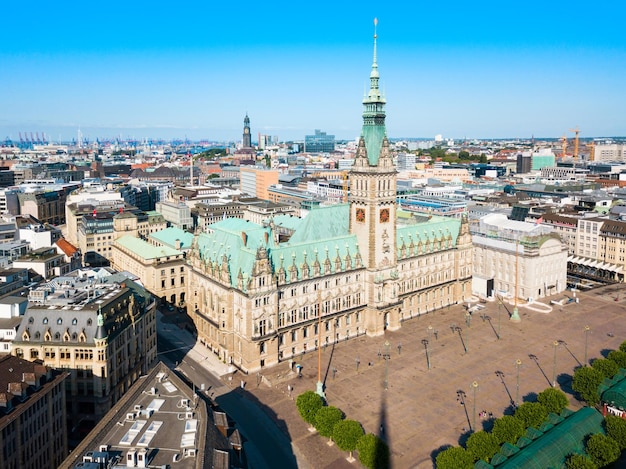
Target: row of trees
[507, 429]
[587, 379]
[348, 434]
[600, 449]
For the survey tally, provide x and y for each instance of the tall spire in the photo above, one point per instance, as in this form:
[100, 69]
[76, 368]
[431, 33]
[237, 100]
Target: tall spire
[374, 112]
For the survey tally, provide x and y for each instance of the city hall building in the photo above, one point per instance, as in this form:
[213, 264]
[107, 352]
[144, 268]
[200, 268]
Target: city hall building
[262, 294]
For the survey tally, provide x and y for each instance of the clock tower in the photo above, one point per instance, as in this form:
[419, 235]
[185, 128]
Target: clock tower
[247, 142]
[373, 207]
[373, 183]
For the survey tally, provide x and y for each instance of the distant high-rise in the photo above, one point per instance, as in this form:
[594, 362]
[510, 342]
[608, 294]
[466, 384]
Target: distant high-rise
[247, 142]
[320, 142]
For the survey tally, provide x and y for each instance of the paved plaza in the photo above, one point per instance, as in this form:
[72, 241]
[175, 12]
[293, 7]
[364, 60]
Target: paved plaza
[424, 410]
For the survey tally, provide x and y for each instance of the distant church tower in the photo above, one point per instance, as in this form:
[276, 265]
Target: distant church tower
[247, 142]
[373, 183]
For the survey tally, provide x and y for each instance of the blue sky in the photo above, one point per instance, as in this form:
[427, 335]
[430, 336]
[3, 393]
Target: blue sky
[193, 69]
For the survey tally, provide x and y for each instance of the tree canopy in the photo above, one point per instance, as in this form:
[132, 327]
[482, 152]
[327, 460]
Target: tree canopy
[532, 414]
[454, 457]
[553, 399]
[618, 357]
[602, 449]
[580, 461]
[508, 428]
[585, 383]
[325, 420]
[308, 403]
[346, 433]
[607, 367]
[482, 445]
[373, 452]
[616, 428]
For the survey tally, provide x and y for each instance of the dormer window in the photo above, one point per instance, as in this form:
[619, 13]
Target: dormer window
[31, 320]
[89, 322]
[45, 320]
[59, 321]
[74, 321]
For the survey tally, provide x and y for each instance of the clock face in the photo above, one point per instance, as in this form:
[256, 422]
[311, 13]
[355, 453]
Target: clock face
[384, 215]
[360, 215]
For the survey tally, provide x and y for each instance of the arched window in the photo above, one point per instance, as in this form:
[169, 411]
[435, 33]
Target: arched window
[57, 336]
[37, 335]
[59, 321]
[45, 320]
[74, 321]
[31, 320]
[74, 337]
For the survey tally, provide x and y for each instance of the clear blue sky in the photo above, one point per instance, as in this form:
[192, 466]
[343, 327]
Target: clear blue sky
[193, 69]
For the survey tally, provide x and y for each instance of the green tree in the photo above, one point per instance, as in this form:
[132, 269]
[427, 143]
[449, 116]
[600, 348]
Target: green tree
[483, 158]
[482, 445]
[373, 452]
[602, 449]
[580, 461]
[464, 155]
[618, 357]
[622, 346]
[585, 383]
[508, 428]
[607, 367]
[454, 457]
[308, 403]
[325, 420]
[553, 399]
[532, 414]
[346, 433]
[616, 428]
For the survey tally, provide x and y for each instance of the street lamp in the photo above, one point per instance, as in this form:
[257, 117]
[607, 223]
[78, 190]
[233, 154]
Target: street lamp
[387, 357]
[468, 319]
[586, 332]
[474, 386]
[425, 342]
[556, 344]
[518, 363]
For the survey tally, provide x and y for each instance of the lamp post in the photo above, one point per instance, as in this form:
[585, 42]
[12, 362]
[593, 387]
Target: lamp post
[425, 342]
[474, 386]
[320, 385]
[468, 319]
[555, 344]
[386, 357]
[430, 331]
[518, 363]
[586, 332]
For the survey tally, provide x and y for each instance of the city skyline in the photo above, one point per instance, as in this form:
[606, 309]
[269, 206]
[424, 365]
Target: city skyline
[465, 71]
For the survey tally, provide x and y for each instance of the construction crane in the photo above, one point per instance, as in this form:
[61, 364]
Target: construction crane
[563, 146]
[576, 132]
[592, 150]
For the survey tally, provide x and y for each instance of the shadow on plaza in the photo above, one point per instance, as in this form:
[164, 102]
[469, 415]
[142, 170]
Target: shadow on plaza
[272, 440]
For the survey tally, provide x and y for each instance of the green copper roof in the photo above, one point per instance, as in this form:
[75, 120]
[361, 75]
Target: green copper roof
[144, 249]
[168, 236]
[434, 229]
[374, 130]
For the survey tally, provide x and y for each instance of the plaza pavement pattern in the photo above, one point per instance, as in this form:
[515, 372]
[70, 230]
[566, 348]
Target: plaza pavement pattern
[424, 410]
